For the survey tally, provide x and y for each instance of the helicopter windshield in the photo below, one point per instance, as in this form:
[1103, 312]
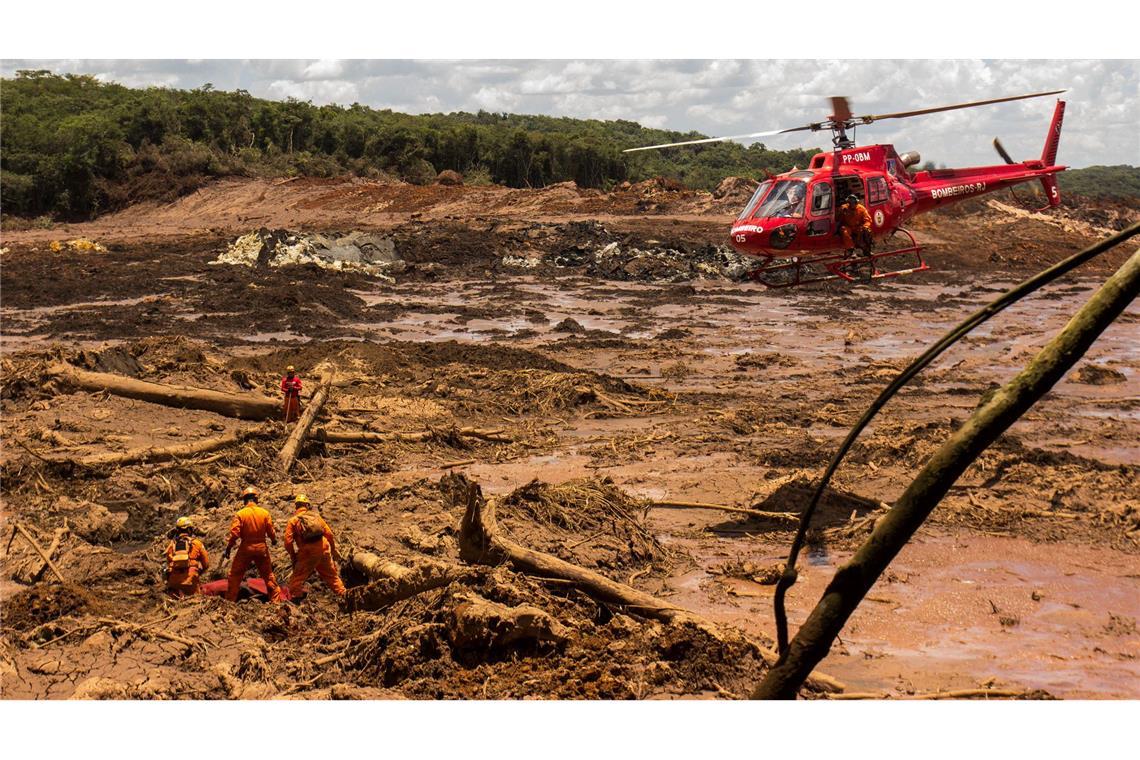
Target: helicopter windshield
[756, 196]
[785, 200]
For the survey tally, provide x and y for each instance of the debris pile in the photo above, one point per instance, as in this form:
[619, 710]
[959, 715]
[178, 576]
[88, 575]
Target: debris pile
[79, 245]
[357, 251]
[662, 264]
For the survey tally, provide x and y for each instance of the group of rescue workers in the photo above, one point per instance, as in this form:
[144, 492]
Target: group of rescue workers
[309, 541]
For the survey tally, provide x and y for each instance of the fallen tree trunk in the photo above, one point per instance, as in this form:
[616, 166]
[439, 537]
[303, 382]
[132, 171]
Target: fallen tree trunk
[345, 436]
[153, 454]
[476, 623]
[393, 583]
[481, 542]
[853, 580]
[376, 567]
[245, 406]
[296, 439]
[786, 516]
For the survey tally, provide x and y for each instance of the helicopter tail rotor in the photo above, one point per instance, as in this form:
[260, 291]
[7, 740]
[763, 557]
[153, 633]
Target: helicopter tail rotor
[1002, 151]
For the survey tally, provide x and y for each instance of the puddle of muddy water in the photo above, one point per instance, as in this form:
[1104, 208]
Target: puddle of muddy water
[276, 337]
[962, 610]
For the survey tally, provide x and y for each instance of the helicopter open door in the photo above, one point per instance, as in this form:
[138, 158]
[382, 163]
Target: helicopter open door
[845, 186]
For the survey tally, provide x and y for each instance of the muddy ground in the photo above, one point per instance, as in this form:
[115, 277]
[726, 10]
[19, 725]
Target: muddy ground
[651, 373]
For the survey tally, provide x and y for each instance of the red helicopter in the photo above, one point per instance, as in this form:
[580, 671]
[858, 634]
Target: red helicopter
[790, 221]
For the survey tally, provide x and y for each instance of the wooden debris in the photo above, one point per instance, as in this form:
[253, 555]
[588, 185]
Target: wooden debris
[246, 406]
[786, 516]
[51, 550]
[343, 436]
[155, 454]
[478, 623]
[146, 628]
[18, 528]
[393, 583]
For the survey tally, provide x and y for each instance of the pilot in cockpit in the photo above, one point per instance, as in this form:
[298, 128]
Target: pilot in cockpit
[793, 206]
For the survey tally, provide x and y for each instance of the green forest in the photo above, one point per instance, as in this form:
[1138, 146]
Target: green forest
[73, 147]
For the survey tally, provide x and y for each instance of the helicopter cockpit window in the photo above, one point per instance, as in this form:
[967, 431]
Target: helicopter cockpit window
[785, 200]
[821, 198]
[756, 196]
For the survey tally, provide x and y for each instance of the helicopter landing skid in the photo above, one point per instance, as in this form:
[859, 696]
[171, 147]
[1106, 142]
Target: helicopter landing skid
[786, 273]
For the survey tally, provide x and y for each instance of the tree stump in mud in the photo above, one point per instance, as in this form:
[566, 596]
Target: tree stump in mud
[393, 583]
[477, 624]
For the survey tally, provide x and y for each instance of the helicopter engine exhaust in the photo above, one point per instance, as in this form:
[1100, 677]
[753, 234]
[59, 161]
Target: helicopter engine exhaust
[910, 158]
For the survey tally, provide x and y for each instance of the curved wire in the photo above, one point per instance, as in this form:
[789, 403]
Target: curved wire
[788, 577]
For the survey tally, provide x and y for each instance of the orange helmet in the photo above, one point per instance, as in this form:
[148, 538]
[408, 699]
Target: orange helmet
[249, 493]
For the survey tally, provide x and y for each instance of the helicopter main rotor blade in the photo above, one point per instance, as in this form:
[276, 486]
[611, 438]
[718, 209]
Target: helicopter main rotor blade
[842, 119]
[923, 111]
[1002, 152]
[840, 109]
[706, 140]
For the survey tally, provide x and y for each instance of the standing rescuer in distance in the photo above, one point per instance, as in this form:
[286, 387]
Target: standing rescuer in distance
[291, 388]
[311, 546]
[252, 525]
[186, 560]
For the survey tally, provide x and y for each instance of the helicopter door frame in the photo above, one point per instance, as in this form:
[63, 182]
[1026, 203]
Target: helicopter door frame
[822, 216]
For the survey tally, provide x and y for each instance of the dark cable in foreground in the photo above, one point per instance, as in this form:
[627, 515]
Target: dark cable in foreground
[788, 578]
[895, 529]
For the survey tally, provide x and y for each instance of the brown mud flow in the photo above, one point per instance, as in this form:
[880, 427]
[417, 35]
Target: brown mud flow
[599, 386]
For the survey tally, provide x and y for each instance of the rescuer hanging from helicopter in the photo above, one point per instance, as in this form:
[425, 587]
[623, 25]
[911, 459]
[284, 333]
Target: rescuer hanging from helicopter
[855, 226]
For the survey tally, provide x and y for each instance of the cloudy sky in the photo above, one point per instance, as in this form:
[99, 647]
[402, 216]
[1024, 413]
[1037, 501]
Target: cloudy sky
[711, 96]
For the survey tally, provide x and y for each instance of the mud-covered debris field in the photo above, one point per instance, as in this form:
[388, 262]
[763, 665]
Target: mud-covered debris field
[574, 364]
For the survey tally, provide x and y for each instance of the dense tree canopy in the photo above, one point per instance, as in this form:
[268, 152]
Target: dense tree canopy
[75, 146]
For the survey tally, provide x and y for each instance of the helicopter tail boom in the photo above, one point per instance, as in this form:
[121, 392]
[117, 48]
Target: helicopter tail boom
[1049, 154]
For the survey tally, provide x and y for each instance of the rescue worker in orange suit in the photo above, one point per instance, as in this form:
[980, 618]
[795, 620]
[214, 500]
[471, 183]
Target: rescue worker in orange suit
[855, 226]
[291, 387]
[252, 525]
[311, 546]
[186, 560]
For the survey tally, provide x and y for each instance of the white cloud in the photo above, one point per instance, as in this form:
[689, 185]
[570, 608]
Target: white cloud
[319, 91]
[495, 99]
[324, 69]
